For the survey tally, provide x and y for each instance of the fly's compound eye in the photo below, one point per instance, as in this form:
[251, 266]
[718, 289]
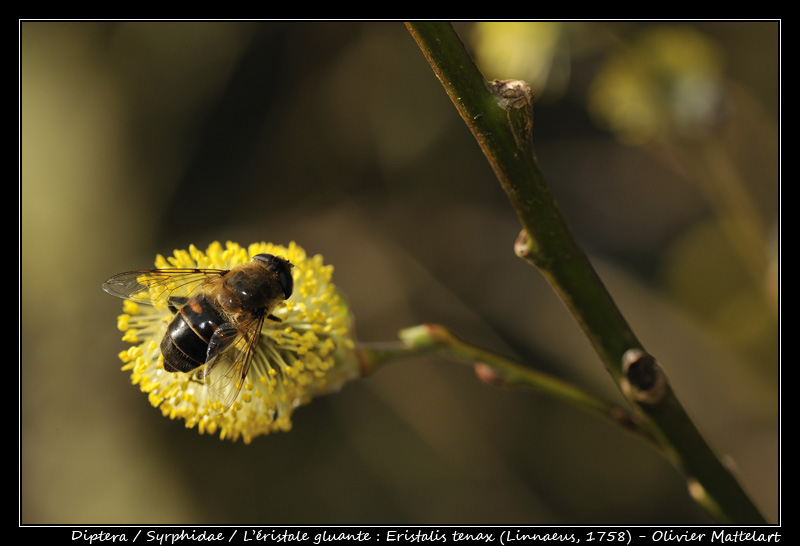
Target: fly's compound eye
[282, 268]
[286, 280]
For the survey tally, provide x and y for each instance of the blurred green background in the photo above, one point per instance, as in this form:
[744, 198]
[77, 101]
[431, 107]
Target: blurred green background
[660, 141]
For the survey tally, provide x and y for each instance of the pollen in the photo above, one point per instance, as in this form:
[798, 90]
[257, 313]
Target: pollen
[309, 353]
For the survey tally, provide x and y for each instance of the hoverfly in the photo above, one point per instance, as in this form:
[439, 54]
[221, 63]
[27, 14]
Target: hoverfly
[217, 315]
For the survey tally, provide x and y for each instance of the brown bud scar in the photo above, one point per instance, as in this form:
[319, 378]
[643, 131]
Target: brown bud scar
[487, 374]
[643, 380]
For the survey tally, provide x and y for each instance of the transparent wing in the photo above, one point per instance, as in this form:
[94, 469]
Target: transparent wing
[230, 354]
[157, 286]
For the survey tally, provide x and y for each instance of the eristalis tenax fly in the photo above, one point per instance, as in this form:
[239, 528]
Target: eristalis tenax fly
[217, 315]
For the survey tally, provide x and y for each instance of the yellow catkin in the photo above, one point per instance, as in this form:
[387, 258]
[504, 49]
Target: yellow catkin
[293, 362]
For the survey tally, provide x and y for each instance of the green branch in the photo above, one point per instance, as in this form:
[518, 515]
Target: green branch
[496, 370]
[500, 116]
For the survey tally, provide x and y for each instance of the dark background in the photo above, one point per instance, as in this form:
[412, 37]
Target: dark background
[141, 137]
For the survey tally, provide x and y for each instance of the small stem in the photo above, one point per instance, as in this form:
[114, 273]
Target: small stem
[494, 369]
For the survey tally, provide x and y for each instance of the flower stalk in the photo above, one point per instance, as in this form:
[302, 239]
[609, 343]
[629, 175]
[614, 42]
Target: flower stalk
[499, 115]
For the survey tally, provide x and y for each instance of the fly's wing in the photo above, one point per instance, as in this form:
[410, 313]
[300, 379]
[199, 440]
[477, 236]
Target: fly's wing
[230, 354]
[157, 286]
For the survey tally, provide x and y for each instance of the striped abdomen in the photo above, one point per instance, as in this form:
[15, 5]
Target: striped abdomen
[185, 345]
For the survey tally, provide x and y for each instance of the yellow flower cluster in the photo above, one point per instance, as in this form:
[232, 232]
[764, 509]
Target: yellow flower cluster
[308, 353]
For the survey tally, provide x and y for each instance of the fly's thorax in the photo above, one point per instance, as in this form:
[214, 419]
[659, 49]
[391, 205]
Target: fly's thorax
[251, 289]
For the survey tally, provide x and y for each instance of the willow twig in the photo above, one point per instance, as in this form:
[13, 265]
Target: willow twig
[499, 114]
